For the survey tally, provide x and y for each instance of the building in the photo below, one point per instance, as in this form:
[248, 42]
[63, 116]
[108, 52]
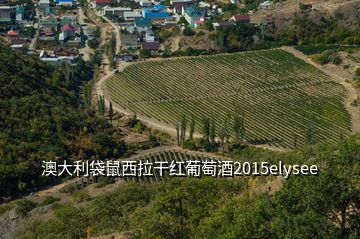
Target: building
[62, 51]
[49, 11]
[128, 41]
[157, 12]
[152, 46]
[14, 37]
[149, 36]
[265, 5]
[145, 3]
[142, 24]
[220, 25]
[68, 3]
[19, 13]
[131, 16]
[194, 15]
[181, 1]
[115, 11]
[244, 19]
[55, 60]
[126, 58]
[5, 14]
[102, 3]
[68, 20]
[44, 4]
[68, 30]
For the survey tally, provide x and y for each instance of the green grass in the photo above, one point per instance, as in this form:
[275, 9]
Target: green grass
[281, 95]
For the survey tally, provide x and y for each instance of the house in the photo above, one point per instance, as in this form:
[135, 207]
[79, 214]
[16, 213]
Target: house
[19, 11]
[145, 3]
[102, 3]
[181, 1]
[68, 20]
[5, 14]
[62, 51]
[142, 24]
[68, 30]
[131, 16]
[14, 37]
[55, 60]
[244, 19]
[115, 11]
[265, 5]
[48, 11]
[194, 15]
[157, 12]
[220, 25]
[149, 36]
[49, 21]
[44, 4]
[126, 58]
[152, 46]
[68, 3]
[177, 8]
[128, 41]
[235, 1]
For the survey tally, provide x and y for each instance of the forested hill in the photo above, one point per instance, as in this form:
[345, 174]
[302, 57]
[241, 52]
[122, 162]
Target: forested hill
[41, 118]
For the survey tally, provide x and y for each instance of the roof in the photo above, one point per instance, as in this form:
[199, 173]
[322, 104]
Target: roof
[150, 45]
[68, 27]
[5, 8]
[132, 15]
[65, 21]
[240, 18]
[142, 22]
[127, 39]
[102, 1]
[12, 33]
[20, 9]
[154, 14]
[223, 24]
[64, 0]
[193, 11]
[159, 7]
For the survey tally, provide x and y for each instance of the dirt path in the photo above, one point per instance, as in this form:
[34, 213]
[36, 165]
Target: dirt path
[341, 79]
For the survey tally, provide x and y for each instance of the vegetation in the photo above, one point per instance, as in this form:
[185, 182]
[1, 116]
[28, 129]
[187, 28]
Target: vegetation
[323, 206]
[279, 95]
[43, 118]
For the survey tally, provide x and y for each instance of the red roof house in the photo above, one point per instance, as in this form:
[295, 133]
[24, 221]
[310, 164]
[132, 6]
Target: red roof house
[245, 19]
[12, 33]
[68, 28]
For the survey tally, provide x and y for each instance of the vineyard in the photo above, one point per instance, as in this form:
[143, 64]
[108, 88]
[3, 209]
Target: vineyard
[281, 96]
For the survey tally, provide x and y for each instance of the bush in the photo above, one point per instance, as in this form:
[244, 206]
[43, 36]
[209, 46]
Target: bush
[24, 206]
[48, 200]
[188, 31]
[81, 196]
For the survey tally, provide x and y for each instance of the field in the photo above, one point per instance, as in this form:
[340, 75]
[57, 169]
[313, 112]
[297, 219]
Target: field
[281, 96]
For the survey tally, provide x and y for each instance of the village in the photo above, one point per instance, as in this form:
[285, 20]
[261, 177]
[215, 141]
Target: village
[66, 30]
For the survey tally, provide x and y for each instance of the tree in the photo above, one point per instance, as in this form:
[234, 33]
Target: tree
[101, 105]
[206, 129]
[188, 31]
[309, 136]
[239, 127]
[183, 125]
[177, 128]
[192, 127]
[212, 134]
[111, 111]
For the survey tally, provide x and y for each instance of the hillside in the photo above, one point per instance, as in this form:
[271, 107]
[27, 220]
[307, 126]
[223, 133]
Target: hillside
[212, 207]
[42, 119]
[280, 96]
